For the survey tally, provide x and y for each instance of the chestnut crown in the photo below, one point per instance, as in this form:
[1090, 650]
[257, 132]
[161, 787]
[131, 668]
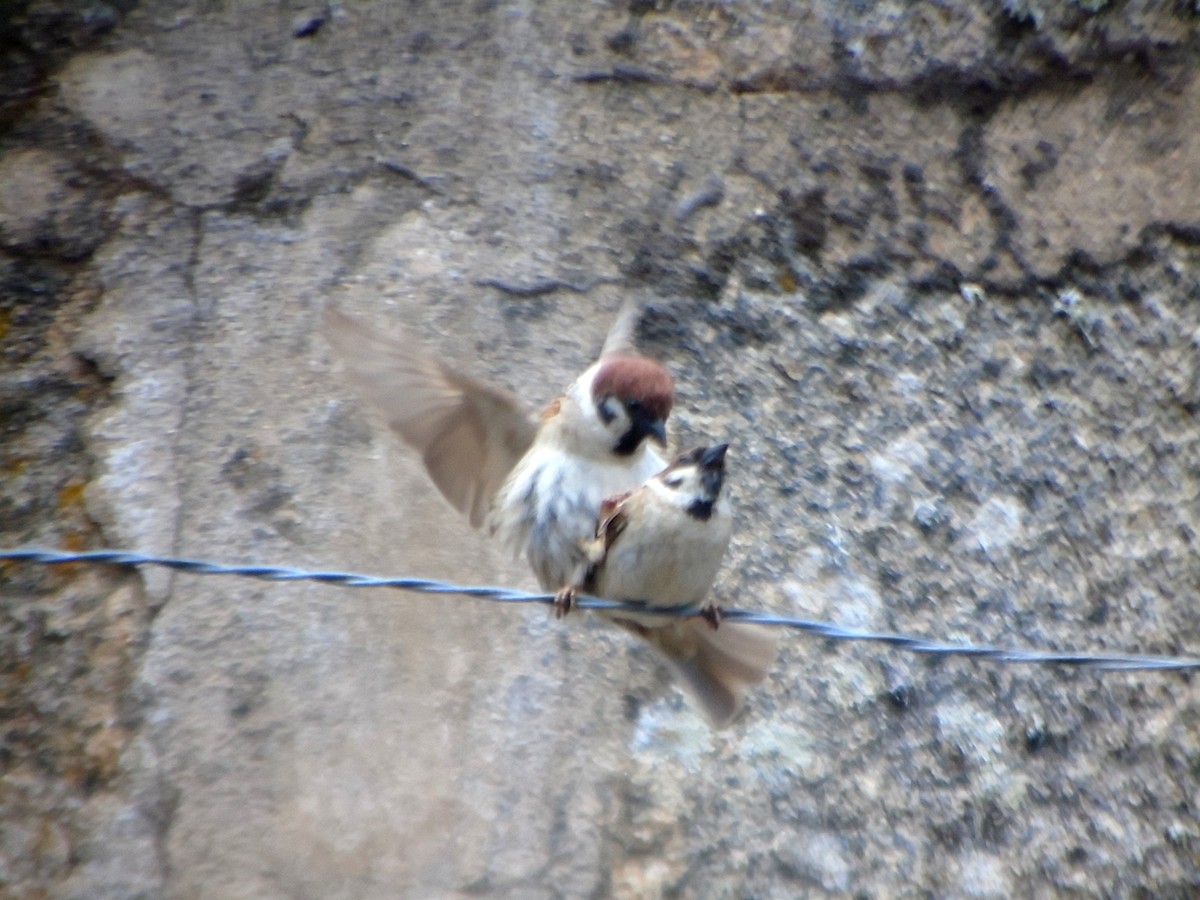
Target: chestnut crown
[637, 382]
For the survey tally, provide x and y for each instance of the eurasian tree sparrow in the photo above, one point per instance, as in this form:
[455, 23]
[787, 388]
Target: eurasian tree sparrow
[536, 483]
[663, 544]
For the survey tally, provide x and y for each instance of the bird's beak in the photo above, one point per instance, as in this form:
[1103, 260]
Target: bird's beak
[714, 457]
[657, 429]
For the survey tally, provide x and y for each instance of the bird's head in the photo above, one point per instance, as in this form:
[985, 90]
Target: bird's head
[624, 400]
[694, 480]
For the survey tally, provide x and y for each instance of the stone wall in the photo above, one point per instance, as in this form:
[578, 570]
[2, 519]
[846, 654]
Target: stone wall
[933, 270]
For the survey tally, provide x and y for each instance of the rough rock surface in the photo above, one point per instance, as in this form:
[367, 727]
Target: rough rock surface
[934, 270]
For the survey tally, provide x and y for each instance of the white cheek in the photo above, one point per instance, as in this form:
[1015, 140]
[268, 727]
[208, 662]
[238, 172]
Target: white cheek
[661, 492]
[593, 425]
[679, 497]
[619, 423]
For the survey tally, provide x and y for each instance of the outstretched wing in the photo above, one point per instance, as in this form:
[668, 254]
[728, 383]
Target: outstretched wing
[470, 435]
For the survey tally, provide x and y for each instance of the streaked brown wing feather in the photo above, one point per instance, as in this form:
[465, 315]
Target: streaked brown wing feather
[613, 518]
[612, 521]
[469, 435]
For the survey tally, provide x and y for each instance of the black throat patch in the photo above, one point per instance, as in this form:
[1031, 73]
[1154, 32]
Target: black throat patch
[700, 509]
[630, 441]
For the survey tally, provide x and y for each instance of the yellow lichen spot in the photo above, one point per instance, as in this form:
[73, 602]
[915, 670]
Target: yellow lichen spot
[75, 541]
[103, 754]
[21, 672]
[786, 279]
[71, 495]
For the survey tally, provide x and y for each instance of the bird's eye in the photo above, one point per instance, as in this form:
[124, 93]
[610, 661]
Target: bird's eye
[605, 409]
[674, 482]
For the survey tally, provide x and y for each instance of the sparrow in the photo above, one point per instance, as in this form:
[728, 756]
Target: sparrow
[662, 544]
[535, 482]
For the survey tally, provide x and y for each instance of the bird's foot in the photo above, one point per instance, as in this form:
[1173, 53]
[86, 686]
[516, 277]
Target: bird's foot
[711, 615]
[564, 600]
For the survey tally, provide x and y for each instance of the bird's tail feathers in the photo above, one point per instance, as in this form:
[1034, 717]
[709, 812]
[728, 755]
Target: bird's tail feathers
[622, 337]
[716, 665]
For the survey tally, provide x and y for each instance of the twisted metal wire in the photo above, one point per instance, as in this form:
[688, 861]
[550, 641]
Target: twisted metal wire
[832, 631]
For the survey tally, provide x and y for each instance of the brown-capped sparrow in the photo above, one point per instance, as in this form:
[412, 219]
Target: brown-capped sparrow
[662, 544]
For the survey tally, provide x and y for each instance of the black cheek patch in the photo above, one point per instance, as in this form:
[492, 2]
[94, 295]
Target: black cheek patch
[630, 441]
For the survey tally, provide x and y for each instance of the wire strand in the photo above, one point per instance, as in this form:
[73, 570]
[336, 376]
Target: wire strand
[1108, 662]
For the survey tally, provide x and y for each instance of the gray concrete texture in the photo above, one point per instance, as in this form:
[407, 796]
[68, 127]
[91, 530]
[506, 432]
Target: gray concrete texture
[933, 270]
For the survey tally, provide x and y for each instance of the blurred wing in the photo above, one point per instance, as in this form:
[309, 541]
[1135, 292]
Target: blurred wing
[469, 435]
[622, 337]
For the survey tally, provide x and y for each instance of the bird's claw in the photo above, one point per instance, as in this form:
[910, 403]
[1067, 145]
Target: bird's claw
[564, 600]
[711, 615]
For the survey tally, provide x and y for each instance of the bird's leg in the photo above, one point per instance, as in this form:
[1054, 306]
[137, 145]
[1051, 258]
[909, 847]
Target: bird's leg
[564, 600]
[711, 615]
